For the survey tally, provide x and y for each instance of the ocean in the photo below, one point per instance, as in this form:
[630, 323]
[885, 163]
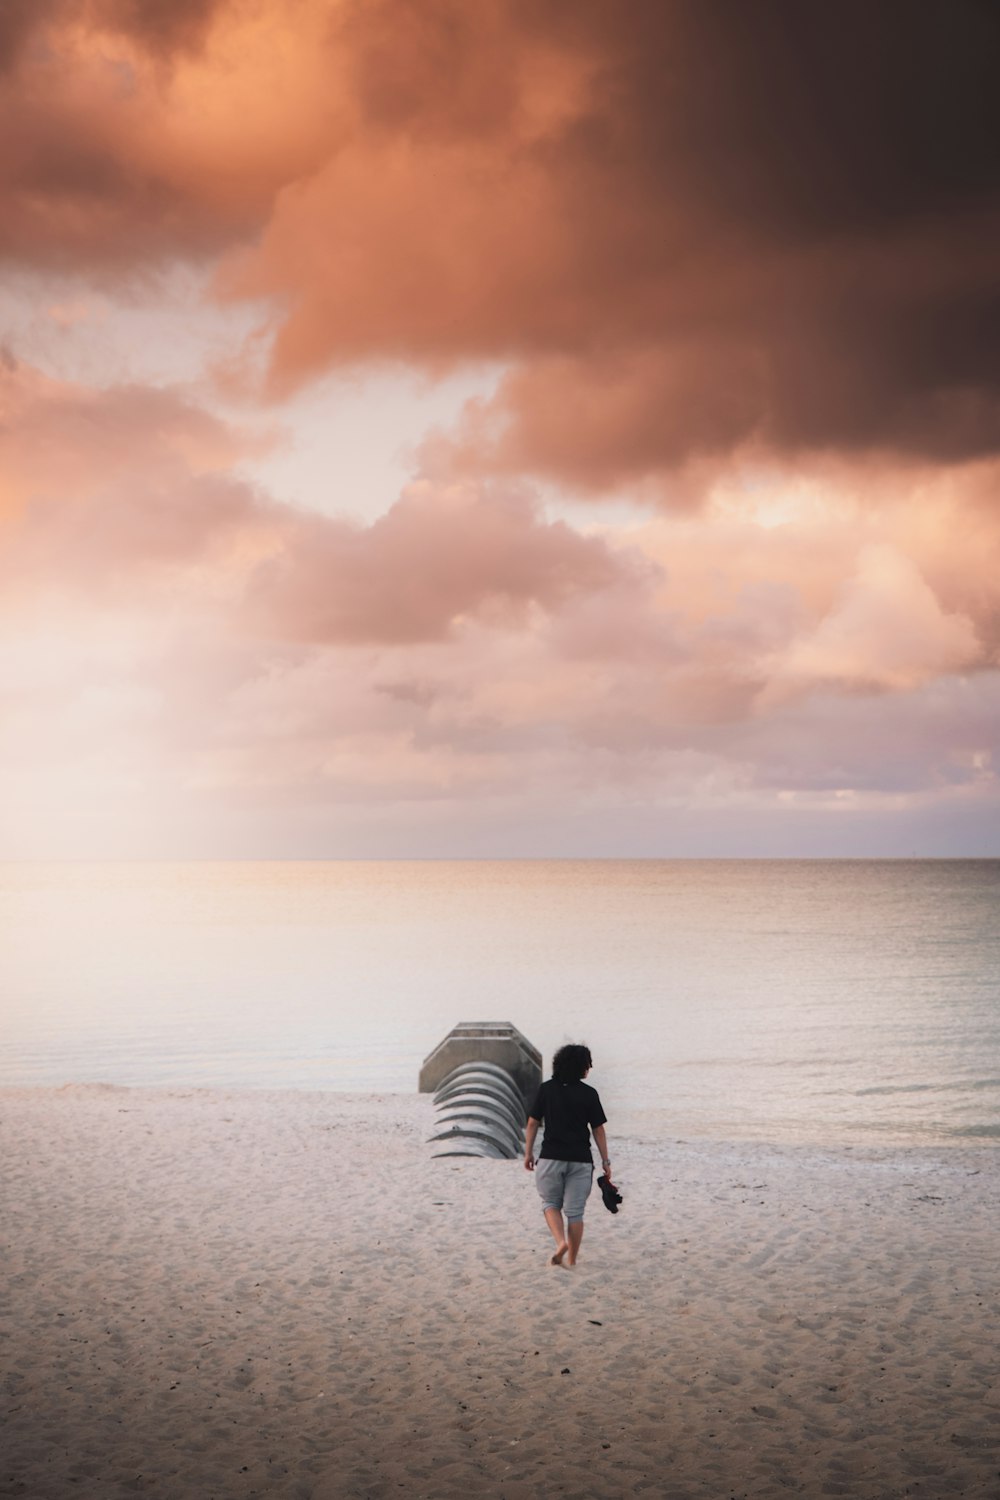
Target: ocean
[843, 1001]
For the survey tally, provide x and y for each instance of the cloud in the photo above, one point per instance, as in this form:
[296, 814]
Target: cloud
[436, 556]
[142, 132]
[734, 260]
[708, 224]
[111, 493]
[61, 442]
[610, 421]
[887, 630]
[697, 251]
[216, 670]
[161, 26]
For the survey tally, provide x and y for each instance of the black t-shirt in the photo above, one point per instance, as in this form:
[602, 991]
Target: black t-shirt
[569, 1110]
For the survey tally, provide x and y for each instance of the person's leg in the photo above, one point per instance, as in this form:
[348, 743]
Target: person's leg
[579, 1177]
[554, 1219]
[549, 1176]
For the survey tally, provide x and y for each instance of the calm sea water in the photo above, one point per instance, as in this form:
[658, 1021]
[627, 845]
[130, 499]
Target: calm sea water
[819, 1001]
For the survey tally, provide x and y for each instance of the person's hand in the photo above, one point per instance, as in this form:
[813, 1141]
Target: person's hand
[529, 1163]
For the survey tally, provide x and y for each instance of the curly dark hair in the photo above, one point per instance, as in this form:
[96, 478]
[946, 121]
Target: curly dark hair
[571, 1062]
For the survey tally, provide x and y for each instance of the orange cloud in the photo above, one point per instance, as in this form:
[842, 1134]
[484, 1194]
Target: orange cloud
[651, 213]
[142, 132]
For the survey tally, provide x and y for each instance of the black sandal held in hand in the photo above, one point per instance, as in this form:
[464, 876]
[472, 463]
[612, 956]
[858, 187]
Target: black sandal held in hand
[612, 1197]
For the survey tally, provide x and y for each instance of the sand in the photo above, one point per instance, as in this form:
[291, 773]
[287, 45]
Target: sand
[238, 1294]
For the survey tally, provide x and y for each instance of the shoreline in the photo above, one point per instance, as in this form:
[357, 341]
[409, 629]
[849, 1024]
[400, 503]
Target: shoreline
[243, 1292]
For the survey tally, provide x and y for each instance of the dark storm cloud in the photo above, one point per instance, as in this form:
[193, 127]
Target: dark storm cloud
[796, 200]
[809, 120]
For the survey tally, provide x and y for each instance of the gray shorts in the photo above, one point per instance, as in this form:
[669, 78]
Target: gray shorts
[564, 1185]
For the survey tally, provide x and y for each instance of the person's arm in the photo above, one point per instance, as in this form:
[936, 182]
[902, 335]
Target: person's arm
[601, 1142]
[529, 1143]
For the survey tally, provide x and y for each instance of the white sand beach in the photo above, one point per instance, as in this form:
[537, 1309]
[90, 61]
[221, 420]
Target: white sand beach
[213, 1294]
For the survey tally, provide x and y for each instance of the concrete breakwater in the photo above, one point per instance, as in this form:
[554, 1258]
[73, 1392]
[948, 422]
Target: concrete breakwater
[483, 1077]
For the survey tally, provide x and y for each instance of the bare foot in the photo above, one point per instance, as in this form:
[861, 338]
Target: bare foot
[557, 1259]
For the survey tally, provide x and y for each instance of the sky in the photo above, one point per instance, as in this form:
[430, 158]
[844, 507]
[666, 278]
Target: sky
[522, 428]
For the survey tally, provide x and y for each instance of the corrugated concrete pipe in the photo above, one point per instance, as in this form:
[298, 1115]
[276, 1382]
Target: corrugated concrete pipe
[480, 1113]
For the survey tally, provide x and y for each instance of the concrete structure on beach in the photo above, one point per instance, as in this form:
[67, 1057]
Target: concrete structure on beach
[483, 1077]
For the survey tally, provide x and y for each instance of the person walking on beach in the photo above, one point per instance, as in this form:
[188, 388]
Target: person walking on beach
[564, 1172]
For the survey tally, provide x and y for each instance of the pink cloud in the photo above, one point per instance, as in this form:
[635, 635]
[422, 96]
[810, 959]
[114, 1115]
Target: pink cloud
[436, 556]
[113, 493]
[887, 630]
[61, 442]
